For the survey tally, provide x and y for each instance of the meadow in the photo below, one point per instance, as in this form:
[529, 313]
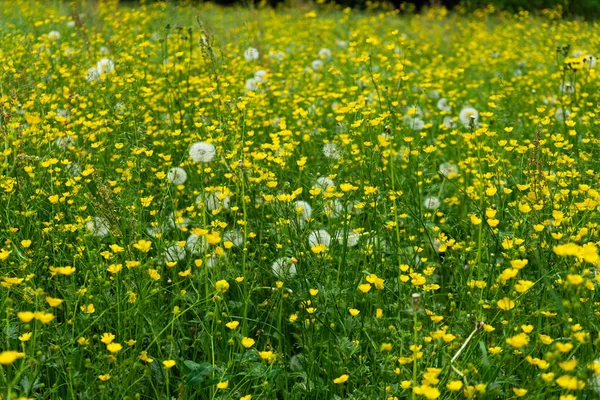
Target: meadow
[305, 203]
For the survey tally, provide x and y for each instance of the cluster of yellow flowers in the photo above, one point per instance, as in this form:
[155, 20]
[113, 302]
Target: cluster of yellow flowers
[314, 203]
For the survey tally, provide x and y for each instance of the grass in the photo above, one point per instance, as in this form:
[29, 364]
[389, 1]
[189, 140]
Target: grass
[227, 203]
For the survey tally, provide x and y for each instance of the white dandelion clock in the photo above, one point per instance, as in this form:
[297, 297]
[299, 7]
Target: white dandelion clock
[105, 66]
[351, 238]
[98, 227]
[64, 142]
[74, 169]
[443, 105]
[251, 54]
[332, 150]
[196, 244]
[174, 253]
[92, 75]
[590, 61]
[215, 200]
[251, 85]
[53, 35]
[234, 237]
[260, 75]
[432, 203]
[417, 124]
[316, 64]
[448, 122]
[177, 176]
[449, 170]
[333, 208]
[202, 152]
[561, 114]
[324, 53]
[467, 116]
[71, 24]
[324, 182]
[567, 88]
[320, 236]
[284, 268]
[303, 210]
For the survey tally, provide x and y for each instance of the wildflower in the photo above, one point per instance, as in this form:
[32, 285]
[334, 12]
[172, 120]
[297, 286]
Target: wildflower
[114, 347]
[10, 356]
[454, 386]
[354, 312]
[4, 254]
[518, 340]
[25, 316]
[169, 364]
[25, 337]
[506, 304]
[202, 152]
[107, 338]
[222, 286]
[248, 342]
[341, 379]
[144, 357]
[104, 377]
[232, 324]
[223, 385]
[443, 105]
[143, 245]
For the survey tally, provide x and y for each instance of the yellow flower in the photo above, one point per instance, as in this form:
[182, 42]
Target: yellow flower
[107, 338]
[114, 347]
[232, 324]
[341, 379]
[354, 312]
[454, 385]
[246, 397]
[222, 286]
[10, 356]
[364, 287]
[25, 316]
[26, 243]
[265, 355]
[518, 340]
[25, 337]
[248, 342]
[385, 347]
[144, 357]
[153, 274]
[143, 245]
[54, 302]
[223, 385]
[43, 317]
[506, 304]
[62, 270]
[104, 377]
[169, 364]
[4, 254]
[520, 392]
